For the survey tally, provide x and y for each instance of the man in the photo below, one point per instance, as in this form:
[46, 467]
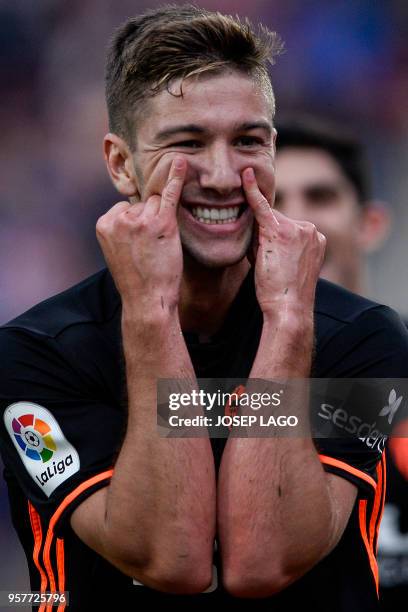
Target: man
[123, 517]
[321, 177]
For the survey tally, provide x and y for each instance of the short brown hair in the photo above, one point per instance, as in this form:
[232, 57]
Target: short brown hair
[148, 52]
[309, 132]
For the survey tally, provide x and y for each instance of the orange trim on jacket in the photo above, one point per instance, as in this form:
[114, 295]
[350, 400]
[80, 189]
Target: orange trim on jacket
[362, 513]
[348, 468]
[37, 534]
[60, 555]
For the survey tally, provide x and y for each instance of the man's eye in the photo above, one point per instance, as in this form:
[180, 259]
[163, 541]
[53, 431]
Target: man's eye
[191, 144]
[278, 199]
[321, 196]
[248, 141]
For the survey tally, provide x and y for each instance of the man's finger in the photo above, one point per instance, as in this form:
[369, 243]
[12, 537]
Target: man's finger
[117, 209]
[152, 207]
[174, 186]
[105, 221]
[256, 200]
[284, 220]
[254, 244]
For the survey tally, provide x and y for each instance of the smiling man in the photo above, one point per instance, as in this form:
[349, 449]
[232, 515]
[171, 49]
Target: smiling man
[204, 279]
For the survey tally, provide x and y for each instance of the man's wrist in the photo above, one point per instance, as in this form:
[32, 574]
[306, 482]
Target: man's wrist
[292, 317]
[149, 331]
[148, 316]
[150, 340]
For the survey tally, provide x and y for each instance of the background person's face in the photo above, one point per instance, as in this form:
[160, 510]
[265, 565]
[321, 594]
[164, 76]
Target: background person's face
[221, 125]
[310, 185]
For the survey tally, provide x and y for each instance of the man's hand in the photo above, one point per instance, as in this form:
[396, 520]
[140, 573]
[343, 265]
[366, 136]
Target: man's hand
[289, 254]
[296, 512]
[155, 521]
[142, 248]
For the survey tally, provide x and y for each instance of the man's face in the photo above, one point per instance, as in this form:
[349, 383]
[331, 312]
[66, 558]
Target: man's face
[310, 185]
[221, 125]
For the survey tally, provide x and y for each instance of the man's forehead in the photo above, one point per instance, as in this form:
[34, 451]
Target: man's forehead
[300, 165]
[303, 170]
[223, 102]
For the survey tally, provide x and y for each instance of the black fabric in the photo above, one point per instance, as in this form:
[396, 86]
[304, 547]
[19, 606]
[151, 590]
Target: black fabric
[393, 543]
[65, 355]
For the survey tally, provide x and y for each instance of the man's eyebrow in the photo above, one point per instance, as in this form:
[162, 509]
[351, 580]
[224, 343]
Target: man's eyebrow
[179, 129]
[330, 185]
[192, 128]
[255, 125]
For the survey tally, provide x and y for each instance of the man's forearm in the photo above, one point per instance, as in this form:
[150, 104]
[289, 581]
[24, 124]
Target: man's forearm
[271, 488]
[161, 501]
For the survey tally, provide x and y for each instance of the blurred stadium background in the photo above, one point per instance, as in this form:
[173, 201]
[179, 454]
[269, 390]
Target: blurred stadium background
[344, 60]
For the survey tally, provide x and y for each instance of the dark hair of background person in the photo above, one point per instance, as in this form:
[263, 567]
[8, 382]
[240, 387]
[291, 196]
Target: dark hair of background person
[310, 133]
[147, 53]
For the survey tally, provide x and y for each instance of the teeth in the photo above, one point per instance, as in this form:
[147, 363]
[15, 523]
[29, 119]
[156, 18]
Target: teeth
[216, 215]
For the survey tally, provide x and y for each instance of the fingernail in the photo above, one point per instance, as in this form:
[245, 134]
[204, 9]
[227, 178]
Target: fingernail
[179, 163]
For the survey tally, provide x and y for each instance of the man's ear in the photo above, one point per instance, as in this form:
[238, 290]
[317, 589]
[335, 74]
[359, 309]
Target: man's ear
[375, 226]
[274, 137]
[119, 162]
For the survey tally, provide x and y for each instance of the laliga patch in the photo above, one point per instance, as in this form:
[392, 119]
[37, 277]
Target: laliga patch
[46, 453]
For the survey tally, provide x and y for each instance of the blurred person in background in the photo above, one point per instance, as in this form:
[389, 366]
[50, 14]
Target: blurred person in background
[322, 177]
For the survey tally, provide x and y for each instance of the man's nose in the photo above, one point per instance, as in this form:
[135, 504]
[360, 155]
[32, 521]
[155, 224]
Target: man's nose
[293, 206]
[220, 171]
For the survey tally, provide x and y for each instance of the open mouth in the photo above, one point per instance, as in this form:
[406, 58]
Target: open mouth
[217, 215]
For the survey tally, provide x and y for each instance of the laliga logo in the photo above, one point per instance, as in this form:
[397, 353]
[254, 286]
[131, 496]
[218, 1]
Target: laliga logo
[47, 455]
[393, 405]
[33, 436]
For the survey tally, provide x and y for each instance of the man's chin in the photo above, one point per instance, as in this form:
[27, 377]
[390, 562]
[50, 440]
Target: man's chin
[214, 260]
